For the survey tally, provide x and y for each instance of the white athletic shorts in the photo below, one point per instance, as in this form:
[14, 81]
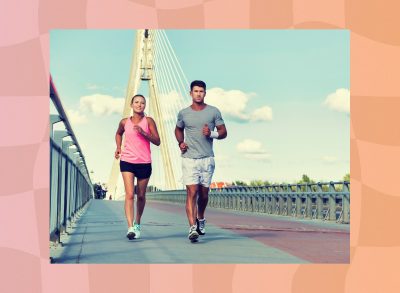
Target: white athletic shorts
[198, 171]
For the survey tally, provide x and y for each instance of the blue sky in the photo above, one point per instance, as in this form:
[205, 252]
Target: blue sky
[283, 94]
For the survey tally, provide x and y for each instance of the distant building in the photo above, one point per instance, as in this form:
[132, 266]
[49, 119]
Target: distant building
[215, 185]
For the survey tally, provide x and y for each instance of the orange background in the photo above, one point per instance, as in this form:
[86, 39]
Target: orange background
[375, 145]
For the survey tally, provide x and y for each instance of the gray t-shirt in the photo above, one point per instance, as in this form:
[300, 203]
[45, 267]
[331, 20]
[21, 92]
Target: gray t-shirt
[199, 146]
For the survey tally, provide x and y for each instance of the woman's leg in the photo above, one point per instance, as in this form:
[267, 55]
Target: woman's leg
[129, 196]
[141, 198]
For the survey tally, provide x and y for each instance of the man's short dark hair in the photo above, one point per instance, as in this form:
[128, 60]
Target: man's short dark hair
[199, 83]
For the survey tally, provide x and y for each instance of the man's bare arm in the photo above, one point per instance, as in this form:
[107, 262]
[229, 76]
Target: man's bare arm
[222, 132]
[180, 137]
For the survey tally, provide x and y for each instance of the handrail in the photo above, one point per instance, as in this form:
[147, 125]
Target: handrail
[63, 115]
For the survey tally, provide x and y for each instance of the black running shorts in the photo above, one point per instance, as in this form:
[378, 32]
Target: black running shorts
[141, 171]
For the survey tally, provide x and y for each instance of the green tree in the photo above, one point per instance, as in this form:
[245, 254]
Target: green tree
[256, 183]
[305, 179]
[266, 183]
[240, 183]
[346, 177]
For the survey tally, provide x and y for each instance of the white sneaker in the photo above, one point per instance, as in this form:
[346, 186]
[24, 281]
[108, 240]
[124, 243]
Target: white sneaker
[193, 235]
[131, 233]
[136, 230]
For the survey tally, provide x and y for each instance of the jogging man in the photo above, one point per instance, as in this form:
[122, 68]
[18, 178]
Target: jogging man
[195, 134]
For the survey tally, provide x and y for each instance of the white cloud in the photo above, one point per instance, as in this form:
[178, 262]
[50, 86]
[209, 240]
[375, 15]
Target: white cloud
[76, 117]
[339, 100]
[262, 114]
[99, 104]
[232, 103]
[253, 150]
[249, 146]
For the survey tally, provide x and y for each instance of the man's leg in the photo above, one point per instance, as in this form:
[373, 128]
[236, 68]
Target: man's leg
[191, 180]
[202, 201]
[191, 192]
[208, 166]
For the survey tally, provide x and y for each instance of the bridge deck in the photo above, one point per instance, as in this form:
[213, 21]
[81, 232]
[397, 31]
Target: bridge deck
[232, 237]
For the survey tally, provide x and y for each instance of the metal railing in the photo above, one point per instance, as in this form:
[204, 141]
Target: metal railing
[70, 184]
[324, 201]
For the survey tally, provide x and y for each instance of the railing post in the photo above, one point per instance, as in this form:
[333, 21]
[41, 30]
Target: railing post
[346, 203]
[58, 139]
[230, 200]
[281, 200]
[320, 201]
[53, 237]
[273, 204]
[289, 202]
[71, 151]
[268, 204]
[298, 204]
[274, 199]
[308, 201]
[332, 202]
[53, 120]
[263, 207]
[251, 196]
[77, 160]
[66, 145]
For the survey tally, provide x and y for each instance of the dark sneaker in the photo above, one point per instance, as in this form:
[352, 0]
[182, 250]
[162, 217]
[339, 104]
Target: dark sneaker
[193, 235]
[201, 226]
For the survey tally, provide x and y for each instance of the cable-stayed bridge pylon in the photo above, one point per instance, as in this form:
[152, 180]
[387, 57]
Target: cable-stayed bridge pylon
[155, 64]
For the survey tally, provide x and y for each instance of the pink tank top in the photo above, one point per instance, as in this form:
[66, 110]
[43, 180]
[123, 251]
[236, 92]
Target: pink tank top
[136, 148]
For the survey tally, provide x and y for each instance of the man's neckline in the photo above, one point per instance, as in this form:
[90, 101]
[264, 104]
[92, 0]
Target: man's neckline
[205, 106]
